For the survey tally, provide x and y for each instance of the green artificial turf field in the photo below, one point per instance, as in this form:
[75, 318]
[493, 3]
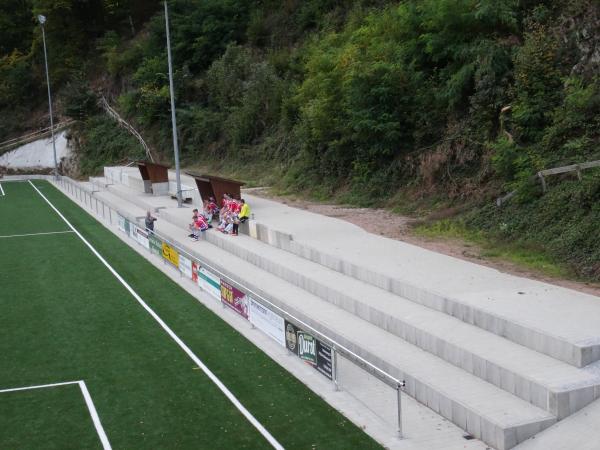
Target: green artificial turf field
[65, 317]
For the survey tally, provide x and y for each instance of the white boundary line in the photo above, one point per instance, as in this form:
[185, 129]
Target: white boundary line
[241, 408]
[2, 190]
[34, 234]
[88, 401]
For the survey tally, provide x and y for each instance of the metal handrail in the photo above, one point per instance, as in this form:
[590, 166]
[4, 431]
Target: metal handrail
[553, 171]
[33, 136]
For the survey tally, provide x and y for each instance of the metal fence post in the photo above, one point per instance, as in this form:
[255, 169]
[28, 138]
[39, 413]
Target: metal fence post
[399, 400]
[334, 368]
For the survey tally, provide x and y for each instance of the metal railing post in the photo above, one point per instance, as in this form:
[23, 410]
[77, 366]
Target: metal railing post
[334, 368]
[399, 400]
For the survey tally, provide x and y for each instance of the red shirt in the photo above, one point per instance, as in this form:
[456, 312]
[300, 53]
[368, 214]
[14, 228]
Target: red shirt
[201, 222]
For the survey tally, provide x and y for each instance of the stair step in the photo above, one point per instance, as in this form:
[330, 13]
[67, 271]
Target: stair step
[536, 315]
[539, 379]
[482, 409]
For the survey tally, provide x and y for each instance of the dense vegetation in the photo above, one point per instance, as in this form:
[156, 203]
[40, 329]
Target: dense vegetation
[448, 102]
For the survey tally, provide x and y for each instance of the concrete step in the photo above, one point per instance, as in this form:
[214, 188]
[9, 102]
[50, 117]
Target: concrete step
[541, 380]
[580, 431]
[558, 322]
[528, 312]
[148, 202]
[482, 409]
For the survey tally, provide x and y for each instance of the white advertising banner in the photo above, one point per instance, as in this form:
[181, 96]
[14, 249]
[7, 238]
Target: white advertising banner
[209, 282]
[185, 266]
[142, 238]
[133, 231]
[121, 221]
[267, 321]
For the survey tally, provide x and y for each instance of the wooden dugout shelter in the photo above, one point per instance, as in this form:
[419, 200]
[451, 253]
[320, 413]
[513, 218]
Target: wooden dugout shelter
[155, 176]
[213, 186]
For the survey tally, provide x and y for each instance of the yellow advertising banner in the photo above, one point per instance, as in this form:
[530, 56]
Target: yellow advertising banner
[170, 254]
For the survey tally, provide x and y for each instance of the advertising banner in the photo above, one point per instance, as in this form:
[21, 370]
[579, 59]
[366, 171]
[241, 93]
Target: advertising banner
[209, 282]
[267, 321]
[155, 244]
[324, 365]
[309, 349]
[234, 298]
[185, 266]
[170, 254]
[291, 338]
[194, 271]
[132, 231]
[126, 226]
[121, 223]
[142, 238]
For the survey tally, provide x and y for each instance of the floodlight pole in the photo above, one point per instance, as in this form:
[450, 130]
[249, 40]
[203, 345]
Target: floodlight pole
[42, 20]
[173, 118]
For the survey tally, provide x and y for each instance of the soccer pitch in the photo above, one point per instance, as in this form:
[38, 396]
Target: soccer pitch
[98, 349]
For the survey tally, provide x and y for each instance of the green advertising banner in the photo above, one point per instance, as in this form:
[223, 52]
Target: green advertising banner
[309, 348]
[155, 244]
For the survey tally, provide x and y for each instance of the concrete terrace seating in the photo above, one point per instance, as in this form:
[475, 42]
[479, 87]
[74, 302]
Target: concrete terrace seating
[499, 356]
[534, 314]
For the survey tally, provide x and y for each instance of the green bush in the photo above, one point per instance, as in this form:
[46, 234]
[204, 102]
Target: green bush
[564, 222]
[103, 142]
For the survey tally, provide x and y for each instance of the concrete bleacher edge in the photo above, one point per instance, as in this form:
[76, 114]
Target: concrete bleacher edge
[554, 346]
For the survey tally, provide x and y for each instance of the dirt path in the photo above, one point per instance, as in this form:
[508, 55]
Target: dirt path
[394, 226]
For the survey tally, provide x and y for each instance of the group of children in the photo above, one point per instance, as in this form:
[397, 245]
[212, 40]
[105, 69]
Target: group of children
[231, 214]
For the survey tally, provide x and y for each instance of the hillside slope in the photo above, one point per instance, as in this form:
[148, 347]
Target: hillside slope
[414, 104]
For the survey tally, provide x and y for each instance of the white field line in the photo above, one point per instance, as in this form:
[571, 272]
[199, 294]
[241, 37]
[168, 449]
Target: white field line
[241, 408]
[2, 190]
[94, 414]
[88, 401]
[35, 234]
[40, 386]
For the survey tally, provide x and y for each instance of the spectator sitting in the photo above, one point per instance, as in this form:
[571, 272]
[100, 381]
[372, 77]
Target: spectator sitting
[193, 224]
[236, 224]
[230, 223]
[224, 207]
[206, 213]
[224, 219]
[199, 226]
[212, 208]
[244, 211]
[149, 221]
[235, 206]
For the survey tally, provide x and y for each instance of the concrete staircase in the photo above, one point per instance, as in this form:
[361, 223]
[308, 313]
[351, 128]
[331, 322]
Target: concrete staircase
[500, 379]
